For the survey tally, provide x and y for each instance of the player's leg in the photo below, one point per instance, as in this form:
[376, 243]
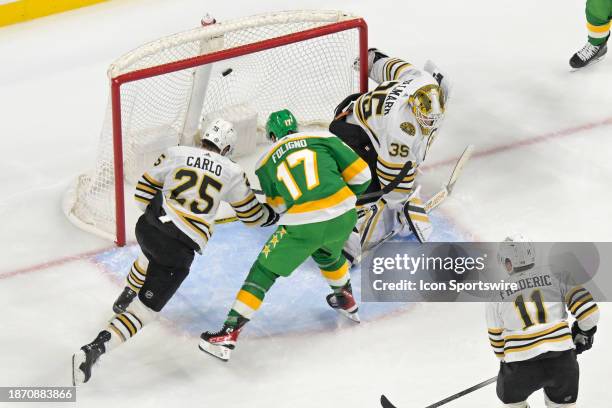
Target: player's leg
[517, 381]
[287, 248]
[368, 218]
[169, 263]
[334, 265]
[134, 281]
[598, 15]
[564, 375]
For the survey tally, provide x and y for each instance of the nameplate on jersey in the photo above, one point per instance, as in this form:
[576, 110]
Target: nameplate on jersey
[394, 94]
[204, 164]
[285, 147]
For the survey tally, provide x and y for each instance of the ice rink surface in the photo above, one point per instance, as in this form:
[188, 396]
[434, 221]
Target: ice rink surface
[542, 167]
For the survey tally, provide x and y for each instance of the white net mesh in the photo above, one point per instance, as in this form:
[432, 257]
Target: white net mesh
[309, 78]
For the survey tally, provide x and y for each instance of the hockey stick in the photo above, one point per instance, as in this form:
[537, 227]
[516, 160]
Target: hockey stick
[389, 187]
[441, 195]
[375, 194]
[387, 404]
[432, 203]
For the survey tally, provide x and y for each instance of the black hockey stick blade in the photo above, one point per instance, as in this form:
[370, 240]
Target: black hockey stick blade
[387, 404]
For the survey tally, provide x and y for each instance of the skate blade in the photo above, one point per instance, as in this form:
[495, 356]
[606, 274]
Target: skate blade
[352, 316]
[590, 64]
[221, 352]
[78, 377]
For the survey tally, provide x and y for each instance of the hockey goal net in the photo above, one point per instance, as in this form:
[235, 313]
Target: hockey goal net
[241, 70]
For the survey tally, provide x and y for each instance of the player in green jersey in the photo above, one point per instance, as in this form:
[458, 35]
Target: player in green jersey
[598, 16]
[312, 179]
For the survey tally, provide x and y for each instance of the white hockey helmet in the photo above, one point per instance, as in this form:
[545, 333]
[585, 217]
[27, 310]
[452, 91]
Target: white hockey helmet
[516, 251]
[220, 133]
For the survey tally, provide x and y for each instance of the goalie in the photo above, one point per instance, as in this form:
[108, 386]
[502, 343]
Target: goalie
[392, 128]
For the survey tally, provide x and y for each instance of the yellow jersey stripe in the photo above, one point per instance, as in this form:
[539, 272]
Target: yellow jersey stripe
[538, 343]
[587, 314]
[581, 303]
[152, 180]
[275, 201]
[572, 292]
[400, 69]
[142, 200]
[537, 334]
[248, 213]
[327, 202]
[390, 165]
[389, 178]
[243, 201]
[354, 169]
[146, 188]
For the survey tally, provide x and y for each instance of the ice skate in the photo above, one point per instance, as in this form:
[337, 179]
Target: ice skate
[344, 302]
[84, 359]
[220, 344]
[588, 55]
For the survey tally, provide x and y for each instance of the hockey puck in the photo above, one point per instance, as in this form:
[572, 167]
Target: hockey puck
[227, 72]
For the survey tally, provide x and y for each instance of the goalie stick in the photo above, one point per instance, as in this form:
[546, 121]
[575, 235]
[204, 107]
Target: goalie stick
[387, 404]
[441, 195]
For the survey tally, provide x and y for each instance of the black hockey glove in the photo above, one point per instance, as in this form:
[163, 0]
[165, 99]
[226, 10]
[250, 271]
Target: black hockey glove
[583, 339]
[273, 217]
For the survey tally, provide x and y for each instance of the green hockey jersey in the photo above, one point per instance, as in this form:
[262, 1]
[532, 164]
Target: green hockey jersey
[311, 177]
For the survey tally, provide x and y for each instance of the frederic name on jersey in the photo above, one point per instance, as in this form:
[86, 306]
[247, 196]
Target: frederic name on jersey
[204, 164]
[528, 282]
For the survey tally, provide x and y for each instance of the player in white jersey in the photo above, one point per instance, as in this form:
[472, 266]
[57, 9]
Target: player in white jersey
[530, 333]
[180, 196]
[392, 127]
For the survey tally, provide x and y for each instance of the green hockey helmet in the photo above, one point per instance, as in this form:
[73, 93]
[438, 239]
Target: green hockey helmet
[280, 124]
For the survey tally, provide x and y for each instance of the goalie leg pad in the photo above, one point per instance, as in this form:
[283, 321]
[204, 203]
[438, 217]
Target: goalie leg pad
[414, 215]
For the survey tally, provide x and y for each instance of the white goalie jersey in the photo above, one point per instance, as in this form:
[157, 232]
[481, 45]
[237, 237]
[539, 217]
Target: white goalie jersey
[193, 182]
[385, 115]
[534, 319]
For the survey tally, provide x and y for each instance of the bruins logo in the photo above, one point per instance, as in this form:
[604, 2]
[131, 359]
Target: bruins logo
[408, 128]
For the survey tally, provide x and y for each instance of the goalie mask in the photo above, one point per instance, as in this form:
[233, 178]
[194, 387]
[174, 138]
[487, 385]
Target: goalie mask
[221, 134]
[516, 252]
[427, 105]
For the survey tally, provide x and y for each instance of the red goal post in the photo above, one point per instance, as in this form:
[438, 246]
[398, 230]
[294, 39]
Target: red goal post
[310, 27]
